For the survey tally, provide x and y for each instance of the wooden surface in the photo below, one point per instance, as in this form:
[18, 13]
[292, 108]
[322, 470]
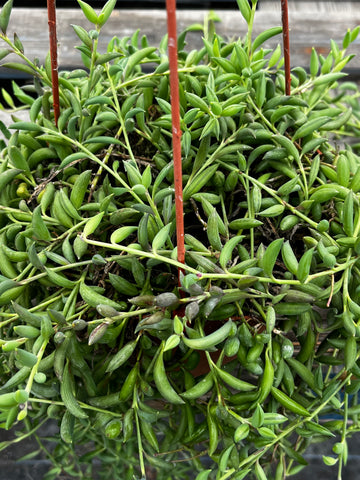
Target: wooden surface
[312, 24]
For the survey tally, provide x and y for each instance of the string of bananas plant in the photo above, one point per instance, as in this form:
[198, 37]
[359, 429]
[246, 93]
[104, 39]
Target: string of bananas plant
[255, 355]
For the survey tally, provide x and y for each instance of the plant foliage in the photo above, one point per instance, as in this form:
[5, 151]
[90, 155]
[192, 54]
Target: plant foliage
[95, 331]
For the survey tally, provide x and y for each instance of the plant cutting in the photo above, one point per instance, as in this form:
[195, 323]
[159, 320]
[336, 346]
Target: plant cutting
[97, 333]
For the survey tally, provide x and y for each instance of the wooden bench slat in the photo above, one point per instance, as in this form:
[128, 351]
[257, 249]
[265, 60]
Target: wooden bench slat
[311, 23]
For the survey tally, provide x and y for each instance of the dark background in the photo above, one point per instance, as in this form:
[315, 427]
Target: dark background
[193, 4]
[189, 4]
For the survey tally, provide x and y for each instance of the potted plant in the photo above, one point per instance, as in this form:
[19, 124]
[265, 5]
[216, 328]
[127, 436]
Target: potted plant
[100, 335]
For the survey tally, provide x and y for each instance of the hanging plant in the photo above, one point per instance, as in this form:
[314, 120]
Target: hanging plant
[96, 332]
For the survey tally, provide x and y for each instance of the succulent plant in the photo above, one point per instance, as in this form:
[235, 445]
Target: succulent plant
[97, 328]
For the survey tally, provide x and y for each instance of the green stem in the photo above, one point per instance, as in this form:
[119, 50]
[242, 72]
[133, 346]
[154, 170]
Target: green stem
[92, 65]
[343, 435]
[151, 365]
[37, 71]
[47, 453]
[140, 447]
[170, 261]
[288, 431]
[18, 52]
[123, 316]
[272, 192]
[118, 111]
[146, 76]
[251, 212]
[261, 115]
[35, 367]
[82, 404]
[250, 28]
[328, 273]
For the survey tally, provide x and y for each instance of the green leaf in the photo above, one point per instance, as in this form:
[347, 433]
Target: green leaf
[41, 231]
[245, 10]
[289, 403]
[204, 475]
[195, 184]
[224, 458]
[18, 159]
[241, 432]
[106, 12]
[104, 140]
[121, 356]
[107, 57]
[30, 455]
[27, 126]
[287, 348]
[89, 12]
[211, 128]
[264, 36]
[259, 472]
[146, 177]
[164, 105]
[197, 102]
[71, 158]
[272, 211]
[136, 58]
[270, 256]
[161, 237]
[314, 63]
[18, 43]
[304, 265]
[350, 352]
[292, 453]
[120, 234]
[134, 111]
[319, 429]
[328, 78]
[288, 187]
[92, 224]
[27, 359]
[225, 64]
[310, 127]
[354, 34]
[21, 67]
[257, 419]
[98, 100]
[348, 214]
[59, 279]
[347, 39]
[329, 461]
[83, 35]
[291, 308]
[303, 372]
[5, 15]
[260, 90]
[4, 53]
[8, 98]
[172, 342]
[275, 57]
